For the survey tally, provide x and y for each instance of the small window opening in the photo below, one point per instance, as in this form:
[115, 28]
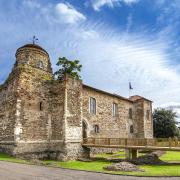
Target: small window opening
[96, 128]
[40, 65]
[148, 114]
[92, 105]
[130, 113]
[115, 110]
[40, 106]
[131, 129]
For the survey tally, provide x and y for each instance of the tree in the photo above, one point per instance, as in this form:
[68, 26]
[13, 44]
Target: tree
[71, 68]
[164, 123]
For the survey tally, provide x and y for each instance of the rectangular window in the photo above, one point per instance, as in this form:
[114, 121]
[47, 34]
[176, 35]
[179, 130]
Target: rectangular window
[148, 114]
[92, 105]
[130, 113]
[115, 110]
[96, 129]
[40, 106]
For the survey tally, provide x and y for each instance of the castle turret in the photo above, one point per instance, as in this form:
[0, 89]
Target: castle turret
[32, 123]
[34, 56]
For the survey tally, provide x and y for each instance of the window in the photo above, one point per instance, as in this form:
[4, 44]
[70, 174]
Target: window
[148, 114]
[96, 128]
[92, 105]
[131, 129]
[40, 65]
[40, 106]
[115, 110]
[130, 113]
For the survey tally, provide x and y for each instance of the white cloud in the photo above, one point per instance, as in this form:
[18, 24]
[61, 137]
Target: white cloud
[68, 14]
[110, 59]
[32, 3]
[97, 4]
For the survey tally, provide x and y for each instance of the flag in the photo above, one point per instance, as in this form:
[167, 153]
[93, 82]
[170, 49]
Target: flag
[130, 86]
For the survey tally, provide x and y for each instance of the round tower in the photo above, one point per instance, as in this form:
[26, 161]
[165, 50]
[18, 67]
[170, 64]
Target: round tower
[32, 75]
[34, 56]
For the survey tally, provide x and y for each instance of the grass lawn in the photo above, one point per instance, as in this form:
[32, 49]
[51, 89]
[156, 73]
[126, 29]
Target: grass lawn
[158, 170]
[8, 158]
[171, 156]
[150, 170]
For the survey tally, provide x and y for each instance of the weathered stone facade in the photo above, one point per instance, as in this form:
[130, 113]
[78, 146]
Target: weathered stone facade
[45, 118]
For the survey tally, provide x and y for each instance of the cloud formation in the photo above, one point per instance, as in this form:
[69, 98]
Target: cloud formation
[68, 14]
[98, 4]
[110, 57]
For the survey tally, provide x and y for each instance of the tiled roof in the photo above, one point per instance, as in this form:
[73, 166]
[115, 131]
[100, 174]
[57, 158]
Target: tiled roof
[137, 97]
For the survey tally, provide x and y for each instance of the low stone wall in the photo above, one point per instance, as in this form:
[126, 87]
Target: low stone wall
[7, 147]
[45, 150]
[103, 150]
[73, 151]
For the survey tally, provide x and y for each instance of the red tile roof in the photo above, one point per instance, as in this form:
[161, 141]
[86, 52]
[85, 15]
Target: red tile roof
[137, 97]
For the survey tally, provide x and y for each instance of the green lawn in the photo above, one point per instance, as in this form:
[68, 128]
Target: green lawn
[171, 156]
[158, 170]
[5, 157]
[149, 170]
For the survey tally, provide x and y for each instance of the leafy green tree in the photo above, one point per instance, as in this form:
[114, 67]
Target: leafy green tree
[68, 67]
[164, 122]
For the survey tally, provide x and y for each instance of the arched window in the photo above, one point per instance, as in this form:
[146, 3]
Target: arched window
[40, 65]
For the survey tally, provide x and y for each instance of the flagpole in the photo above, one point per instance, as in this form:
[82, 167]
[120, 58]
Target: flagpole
[130, 88]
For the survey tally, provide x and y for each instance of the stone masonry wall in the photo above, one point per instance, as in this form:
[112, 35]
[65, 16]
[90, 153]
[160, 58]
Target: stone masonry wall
[139, 117]
[143, 118]
[148, 119]
[39, 126]
[41, 117]
[109, 126]
[73, 119]
[8, 112]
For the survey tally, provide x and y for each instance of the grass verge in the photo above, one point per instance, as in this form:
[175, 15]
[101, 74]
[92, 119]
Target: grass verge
[97, 166]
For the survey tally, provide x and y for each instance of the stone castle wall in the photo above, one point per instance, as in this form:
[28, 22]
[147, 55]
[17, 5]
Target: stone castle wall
[119, 125]
[103, 118]
[148, 120]
[41, 117]
[8, 102]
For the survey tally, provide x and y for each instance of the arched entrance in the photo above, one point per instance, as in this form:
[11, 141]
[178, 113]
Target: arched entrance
[84, 129]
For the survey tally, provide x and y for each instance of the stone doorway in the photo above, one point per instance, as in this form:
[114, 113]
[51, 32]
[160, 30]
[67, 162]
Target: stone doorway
[84, 129]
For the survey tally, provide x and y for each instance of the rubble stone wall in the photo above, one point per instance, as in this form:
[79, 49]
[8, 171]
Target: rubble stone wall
[42, 117]
[8, 112]
[109, 126]
[148, 120]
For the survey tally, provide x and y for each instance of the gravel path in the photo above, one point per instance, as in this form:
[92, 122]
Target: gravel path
[14, 171]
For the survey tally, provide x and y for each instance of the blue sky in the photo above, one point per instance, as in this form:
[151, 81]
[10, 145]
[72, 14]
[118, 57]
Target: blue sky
[117, 41]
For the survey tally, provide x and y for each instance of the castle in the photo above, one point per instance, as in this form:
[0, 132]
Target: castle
[42, 117]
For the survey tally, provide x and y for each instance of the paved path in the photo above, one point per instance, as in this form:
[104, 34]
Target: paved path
[14, 171]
